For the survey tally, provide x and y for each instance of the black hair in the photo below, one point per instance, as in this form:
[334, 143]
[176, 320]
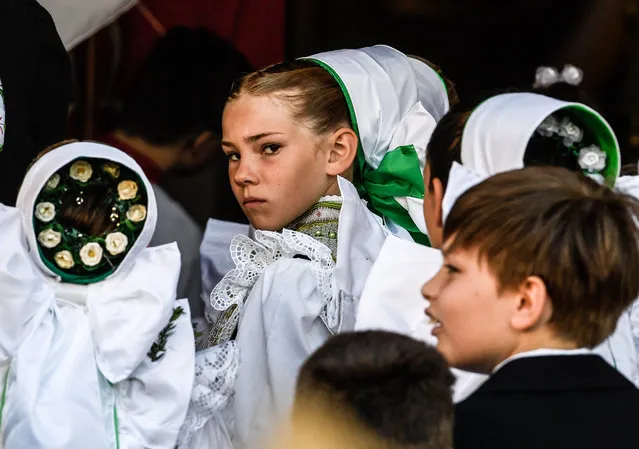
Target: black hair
[397, 387]
[182, 87]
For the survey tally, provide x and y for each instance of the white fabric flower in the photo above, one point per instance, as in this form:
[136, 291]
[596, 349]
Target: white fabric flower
[53, 182]
[49, 238]
[571, 133]
[91, 254]
[116, 243]
[64, 259]
[548, 127]
[45, 212]
[592, 159]
[81, 171]
[136, 213]
[127, 190]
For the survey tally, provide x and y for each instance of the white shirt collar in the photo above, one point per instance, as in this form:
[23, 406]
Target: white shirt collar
[542, 352]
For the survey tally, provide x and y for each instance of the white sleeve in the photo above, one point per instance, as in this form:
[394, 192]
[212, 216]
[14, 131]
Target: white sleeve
[23, 293]
[153, 402]
[208, 422]
[280, 327]
[215, 255]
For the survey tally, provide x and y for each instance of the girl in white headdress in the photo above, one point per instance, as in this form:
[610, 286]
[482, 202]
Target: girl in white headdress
[307, 141]
[95, 352]
[510, 131]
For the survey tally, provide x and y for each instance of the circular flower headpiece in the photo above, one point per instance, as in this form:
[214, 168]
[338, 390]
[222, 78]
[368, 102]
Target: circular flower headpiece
[75, 255]
[591, 159]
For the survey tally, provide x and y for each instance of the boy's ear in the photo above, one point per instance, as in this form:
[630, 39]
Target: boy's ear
[342, 152]
[534, 307]
[438, 196]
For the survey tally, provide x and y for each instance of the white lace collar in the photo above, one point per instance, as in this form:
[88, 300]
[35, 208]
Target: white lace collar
[344, 279]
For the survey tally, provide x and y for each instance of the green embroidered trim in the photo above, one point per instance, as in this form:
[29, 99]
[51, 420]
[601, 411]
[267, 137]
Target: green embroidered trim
[218, 330]
[320, 222]
[158, 349]
[116, 423]
[4, 396]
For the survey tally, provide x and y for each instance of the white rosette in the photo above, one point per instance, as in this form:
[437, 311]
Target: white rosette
[49, 238]
[64, 259]
[91, 254]
[53, 182]
[592, 159]
[45, 211]
[81, 171]
[127, 190]
[116, 243]
[136, 213]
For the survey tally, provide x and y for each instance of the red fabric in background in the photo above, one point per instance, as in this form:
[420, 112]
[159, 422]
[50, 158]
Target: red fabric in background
[255, 27]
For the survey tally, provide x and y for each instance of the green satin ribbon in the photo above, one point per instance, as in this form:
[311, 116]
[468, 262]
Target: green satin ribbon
[398, 175]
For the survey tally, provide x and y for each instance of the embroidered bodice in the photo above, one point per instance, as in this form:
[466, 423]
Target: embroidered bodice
[321, 222]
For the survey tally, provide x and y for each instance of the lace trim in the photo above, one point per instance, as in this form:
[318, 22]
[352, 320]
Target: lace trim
[215, 374]
[251, 258]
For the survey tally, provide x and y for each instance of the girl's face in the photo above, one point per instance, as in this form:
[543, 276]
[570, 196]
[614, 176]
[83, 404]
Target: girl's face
[277, 166]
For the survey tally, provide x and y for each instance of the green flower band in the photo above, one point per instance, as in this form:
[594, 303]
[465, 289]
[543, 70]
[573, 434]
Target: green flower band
[74, 255]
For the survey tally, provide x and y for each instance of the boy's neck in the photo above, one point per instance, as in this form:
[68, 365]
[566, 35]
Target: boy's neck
[540, 339]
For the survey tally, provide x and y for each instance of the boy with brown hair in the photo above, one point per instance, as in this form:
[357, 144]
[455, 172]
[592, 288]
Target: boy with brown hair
[539, 264]
[374, 390]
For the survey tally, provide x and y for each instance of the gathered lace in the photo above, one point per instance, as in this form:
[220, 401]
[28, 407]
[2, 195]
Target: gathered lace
[251, 258]
[215, 374]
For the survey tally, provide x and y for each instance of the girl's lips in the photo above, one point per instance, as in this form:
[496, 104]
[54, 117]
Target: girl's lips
[253, 202]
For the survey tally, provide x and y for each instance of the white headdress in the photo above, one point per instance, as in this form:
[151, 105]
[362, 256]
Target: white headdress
[498, 131]
[55, 333]
[70, 168]
[395, 101]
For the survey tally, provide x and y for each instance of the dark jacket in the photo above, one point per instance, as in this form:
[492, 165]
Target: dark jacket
[550, 402]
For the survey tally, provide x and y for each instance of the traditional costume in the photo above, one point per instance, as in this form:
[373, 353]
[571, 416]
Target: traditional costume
[292, 290]
[95, 351]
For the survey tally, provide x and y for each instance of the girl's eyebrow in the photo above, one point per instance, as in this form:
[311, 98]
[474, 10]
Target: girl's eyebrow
[252, 139]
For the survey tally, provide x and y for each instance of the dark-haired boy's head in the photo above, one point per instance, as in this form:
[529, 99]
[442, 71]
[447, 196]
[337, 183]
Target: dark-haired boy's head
[534, 258]
[178, 96]
[394, 389]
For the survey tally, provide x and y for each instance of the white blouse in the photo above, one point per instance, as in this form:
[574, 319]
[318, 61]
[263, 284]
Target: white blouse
[288, 308]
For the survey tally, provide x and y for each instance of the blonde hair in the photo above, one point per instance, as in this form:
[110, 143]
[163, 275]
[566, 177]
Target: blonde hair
[312, 94]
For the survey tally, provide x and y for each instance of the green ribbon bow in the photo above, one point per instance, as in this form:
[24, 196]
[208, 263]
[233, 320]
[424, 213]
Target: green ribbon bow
[398, 175]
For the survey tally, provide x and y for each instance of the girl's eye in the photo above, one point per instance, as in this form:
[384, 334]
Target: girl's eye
[271, 148]
[233, 156]
[451, 269]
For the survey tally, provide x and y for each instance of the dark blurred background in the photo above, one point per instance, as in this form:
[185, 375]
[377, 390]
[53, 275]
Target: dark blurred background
[480, 44]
